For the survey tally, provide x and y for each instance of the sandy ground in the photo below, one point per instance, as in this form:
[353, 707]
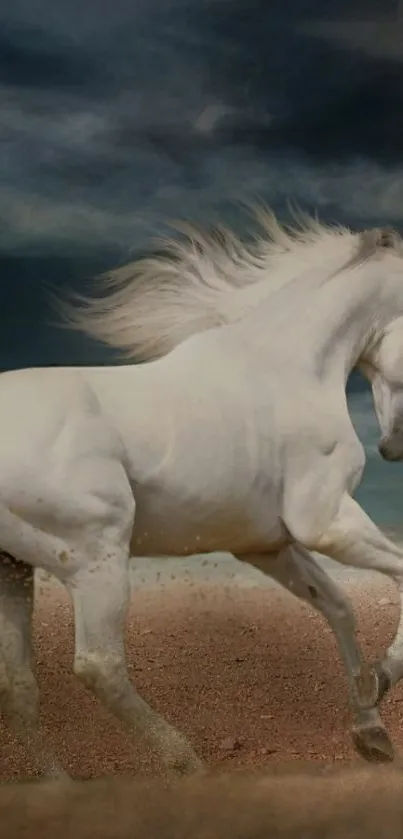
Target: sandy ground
[249, 673]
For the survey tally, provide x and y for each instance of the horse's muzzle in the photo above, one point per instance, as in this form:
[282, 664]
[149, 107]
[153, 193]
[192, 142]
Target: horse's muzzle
[390, 452]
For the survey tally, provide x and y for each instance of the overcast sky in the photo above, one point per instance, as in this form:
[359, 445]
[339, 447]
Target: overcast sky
[117, 115]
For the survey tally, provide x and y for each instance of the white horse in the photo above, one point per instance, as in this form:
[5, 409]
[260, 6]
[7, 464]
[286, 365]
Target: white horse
[236, 437]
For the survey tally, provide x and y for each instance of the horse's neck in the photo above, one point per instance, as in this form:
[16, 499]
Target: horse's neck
[275, 270]
[323, 322]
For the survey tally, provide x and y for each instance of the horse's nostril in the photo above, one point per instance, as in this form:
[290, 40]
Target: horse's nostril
[388, 453]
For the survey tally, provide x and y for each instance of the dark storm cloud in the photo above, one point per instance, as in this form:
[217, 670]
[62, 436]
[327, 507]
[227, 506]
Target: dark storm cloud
[113, 115]
[118, 115]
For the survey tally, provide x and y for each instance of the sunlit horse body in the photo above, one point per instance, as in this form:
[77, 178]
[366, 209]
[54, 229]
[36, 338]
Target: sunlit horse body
[236, 437]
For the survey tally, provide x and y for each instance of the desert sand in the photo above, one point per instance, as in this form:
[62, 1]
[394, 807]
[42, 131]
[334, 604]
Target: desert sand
[339, 804]
[251, 675]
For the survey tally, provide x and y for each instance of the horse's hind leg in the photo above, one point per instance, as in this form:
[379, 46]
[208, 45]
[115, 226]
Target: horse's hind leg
[100, 594]
[353, 539]
[18, 686]
[298, 571]
[320, 591]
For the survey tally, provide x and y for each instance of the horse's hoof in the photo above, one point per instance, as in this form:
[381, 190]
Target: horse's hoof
[188, 766]
[384, 681]
[181, 760]
[373, 744]
[182, 768]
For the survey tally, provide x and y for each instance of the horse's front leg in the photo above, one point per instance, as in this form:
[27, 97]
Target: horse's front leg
[353, 539]
[302, 575]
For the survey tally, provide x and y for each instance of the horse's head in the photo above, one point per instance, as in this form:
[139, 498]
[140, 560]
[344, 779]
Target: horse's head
[386, 377]
[384, 366]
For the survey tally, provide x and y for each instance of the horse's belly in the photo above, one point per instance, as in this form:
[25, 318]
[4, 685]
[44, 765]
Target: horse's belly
[214, 486]
[168, 526]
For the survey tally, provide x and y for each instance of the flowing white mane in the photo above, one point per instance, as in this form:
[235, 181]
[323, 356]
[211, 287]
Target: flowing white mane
[207, 279]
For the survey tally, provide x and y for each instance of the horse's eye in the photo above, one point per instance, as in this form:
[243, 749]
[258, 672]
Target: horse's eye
[384, 243]
[386, 239]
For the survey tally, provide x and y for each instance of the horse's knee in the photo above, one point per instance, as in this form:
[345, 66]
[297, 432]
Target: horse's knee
[88, 670]
[102, 675]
